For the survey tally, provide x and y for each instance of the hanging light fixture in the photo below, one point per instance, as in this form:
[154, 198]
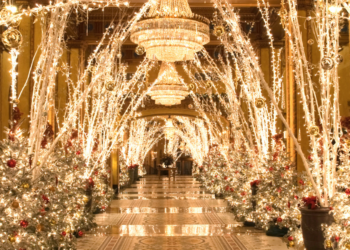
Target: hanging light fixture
[168, 90]
[171, 32]
[169, 129]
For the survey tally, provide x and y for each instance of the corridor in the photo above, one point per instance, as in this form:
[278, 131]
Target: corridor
[157, 214]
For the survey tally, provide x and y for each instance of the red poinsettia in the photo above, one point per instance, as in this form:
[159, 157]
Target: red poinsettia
[310, 202]
[254, 183]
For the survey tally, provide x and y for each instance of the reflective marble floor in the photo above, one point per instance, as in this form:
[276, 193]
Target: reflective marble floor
[158, 214]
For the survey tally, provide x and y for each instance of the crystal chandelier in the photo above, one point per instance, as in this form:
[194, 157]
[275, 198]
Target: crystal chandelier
[168, 90]
[171, 32]
[169, 129]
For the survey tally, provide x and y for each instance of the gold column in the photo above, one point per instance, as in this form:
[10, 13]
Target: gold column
[290, 98]
[24, 63]
[61, 96]
[5, 91]
[114, 168]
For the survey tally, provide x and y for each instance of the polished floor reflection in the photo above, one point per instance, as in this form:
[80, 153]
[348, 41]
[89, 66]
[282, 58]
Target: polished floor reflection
[158, 214]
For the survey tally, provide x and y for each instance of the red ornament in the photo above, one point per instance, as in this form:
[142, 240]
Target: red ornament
[290, 238]
[80, 233]
[286, 167]
[77, 153]
[243, 193]
[279, 219]
[23, 223]
[103, 207]
[271, 169]
[301, 182]
[309, 157]
[45, 198]
[91, 182]
[64, 233]
[76, 167]
[225, 178]
[347, 191]
[96, 172]
[11, 163]
[227, 188]
[268, 208]
[231, 189]
[337, 238]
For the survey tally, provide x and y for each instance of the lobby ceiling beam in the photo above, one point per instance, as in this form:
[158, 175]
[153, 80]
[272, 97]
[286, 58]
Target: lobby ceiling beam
[209, 4]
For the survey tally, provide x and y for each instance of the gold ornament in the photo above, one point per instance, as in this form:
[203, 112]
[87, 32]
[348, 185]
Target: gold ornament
[259, 103]
[327, 63]
[328, 243]
[16, 101]
[4, 13]
[25, 185]
[347, 245]
[348, 143]
[12, 38]
[339, 59]
[291, 243]
[310, 41]
[12, 238]
[314, 130]
[40, 228]
[85, 199]
[110, 85]
[53, 222]
[140, 50]
[299, 216]
[52, 189]
[219, 31]
[15, 204]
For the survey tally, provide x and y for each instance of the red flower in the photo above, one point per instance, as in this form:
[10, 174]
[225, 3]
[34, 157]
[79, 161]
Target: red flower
[80, 233]
[310, 202]
[279, 219]
[64, 233]
[290, 238]
[11, 163]
[254, 183]
[23, 223]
